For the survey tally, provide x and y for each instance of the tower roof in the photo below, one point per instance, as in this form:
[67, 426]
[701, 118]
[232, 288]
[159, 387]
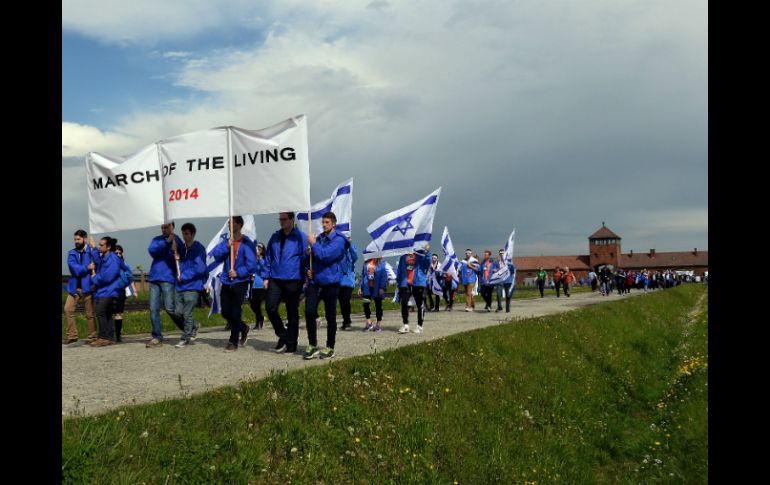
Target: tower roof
[603, 232]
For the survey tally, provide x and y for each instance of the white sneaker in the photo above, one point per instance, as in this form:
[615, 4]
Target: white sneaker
[418, 329]
[404, 329]
[468, 309]
[182, 343]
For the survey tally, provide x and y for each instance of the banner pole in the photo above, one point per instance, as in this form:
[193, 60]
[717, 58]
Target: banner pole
[230, 197]
[309, 228]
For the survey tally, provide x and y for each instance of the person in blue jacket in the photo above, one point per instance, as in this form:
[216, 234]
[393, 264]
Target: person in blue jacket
[286, 260]
[374, 283]
[192, 275]
[411, 278]
[468, 268]
[328, 251]
[507, 285]
[105, 280]
[348, 282]
[258, 287]
[235, 280]
[79, 287]
[119, 305]
[163, 275]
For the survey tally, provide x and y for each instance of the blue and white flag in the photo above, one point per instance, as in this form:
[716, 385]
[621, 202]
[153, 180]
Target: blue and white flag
[392, 277]
[404, 230]
[341, 203]
[435, 284]
[213, 284]
[450, 264]
[130, 290]
[503, 273]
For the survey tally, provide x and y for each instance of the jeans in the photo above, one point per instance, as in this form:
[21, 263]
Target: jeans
[329, 296]
[486, 293]
[185, 302]
[288, 291]
[557, 286]
[541, 287]
[156, 289]
[508, 288]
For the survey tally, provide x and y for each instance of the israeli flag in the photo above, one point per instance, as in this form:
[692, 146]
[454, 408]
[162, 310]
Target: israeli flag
[213, 284]
[130, 290]
[404, 230]
[392, 277]
[341, 203]
[435, 284]
[503, 273]
[450, 264]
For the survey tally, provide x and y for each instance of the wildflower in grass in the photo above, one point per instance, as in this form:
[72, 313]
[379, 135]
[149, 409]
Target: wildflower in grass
[446, 389]
[144, 435]
[358, 440]
[657, 443]
[293, 449]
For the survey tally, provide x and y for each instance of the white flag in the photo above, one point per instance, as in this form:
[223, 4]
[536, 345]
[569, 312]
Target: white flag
[503, 273]
[341, 203]
[404, 230]
[450, 264]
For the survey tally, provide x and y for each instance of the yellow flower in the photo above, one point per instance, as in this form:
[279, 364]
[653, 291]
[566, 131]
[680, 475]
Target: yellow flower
[446, 389]
[358, 440]
[657, 443]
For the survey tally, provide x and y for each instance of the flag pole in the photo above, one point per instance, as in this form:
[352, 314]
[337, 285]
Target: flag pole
[230, 197]
[309, 228]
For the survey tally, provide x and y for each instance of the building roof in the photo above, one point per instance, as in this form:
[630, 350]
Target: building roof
[603, 233]
[534, 263]
[671, 260]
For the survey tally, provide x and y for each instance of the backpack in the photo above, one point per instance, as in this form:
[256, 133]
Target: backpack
[124, 278]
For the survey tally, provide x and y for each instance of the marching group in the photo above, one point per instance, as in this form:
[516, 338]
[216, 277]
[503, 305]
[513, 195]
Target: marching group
[292, 264]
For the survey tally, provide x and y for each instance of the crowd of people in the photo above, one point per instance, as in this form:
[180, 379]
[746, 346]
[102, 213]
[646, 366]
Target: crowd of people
[292, 265]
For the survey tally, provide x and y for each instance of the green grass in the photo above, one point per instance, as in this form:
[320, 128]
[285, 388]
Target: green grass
[139, 322]
[596, 395]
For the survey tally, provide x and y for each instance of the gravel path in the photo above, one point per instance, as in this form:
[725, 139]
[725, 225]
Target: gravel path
[95, 380]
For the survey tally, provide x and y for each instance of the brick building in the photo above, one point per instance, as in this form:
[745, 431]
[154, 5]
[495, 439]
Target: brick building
[604, 249]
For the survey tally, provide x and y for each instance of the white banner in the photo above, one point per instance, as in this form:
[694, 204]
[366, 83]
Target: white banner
[124, 192]
[271, 171]
[195, 174]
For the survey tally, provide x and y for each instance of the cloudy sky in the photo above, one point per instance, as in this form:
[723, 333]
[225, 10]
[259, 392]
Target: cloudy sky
[546, 116]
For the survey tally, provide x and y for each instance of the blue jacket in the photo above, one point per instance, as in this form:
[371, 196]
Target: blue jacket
[163, 265]
[107, 273]
[192, 264]
[292, 263]
[421, 263]
[349, 267]
[467, 274]
[260, 275]
[511, 268]
[328, 253]
[245, 260]
[78, 263]
[380, 280]
[492, 267]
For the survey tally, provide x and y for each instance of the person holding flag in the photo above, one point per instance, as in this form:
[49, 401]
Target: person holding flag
[374, 282]
[348, 282]
[434, 285]
[286, 260]
[507, 285]
[192, 275]
[486, 270]
[258, 287]
[105, 272]
[163, 275]
[79, 286]
[120, 300]
[412, 277]
[323, 283]
[468, 269]
[235, 279]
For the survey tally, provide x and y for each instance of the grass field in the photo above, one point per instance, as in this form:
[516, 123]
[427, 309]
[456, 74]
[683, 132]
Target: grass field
[139, 321]
[611, 393]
